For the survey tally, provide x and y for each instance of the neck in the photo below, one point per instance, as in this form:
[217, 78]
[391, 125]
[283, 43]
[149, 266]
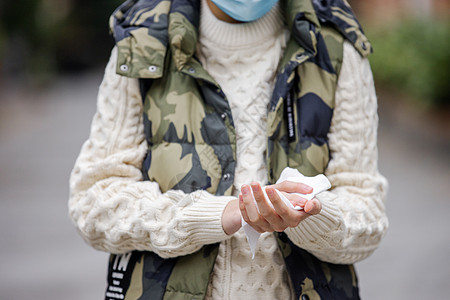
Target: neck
[245, 34]
[219, 14]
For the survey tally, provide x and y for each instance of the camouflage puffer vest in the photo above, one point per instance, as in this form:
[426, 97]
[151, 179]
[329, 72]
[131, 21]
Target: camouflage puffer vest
[191, 135]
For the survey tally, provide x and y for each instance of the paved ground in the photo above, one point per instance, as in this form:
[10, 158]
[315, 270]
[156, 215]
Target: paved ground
[43, 258]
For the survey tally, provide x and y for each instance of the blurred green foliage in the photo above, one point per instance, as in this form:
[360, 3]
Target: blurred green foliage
[414, 56]
[40, 38]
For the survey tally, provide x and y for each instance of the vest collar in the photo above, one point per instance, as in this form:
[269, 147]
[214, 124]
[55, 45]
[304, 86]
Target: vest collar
[144, 29]
[303, 24]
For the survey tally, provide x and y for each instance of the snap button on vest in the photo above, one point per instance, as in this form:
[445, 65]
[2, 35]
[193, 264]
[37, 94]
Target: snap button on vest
[123, 68]
[305, 297]
[152, 69]
[299, 56]
[226, 176]
[363, 46]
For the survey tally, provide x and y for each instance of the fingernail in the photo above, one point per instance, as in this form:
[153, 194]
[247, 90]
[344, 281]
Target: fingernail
[244, 189]
[299, 202]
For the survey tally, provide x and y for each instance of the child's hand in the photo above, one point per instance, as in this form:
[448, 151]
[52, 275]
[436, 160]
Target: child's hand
[263, 218]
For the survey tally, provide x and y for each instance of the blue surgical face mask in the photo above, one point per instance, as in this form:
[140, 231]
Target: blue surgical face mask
[245, 10]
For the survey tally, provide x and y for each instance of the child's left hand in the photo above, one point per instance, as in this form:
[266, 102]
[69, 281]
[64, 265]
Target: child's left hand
[263, 218]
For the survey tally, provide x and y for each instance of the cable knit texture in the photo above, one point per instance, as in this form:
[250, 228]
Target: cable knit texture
[113, 208]
[243, 59]
[353, 219]
[115, 211]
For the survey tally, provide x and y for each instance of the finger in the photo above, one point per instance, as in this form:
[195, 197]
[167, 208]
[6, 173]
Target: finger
[258, 194]
[288, 216]
[245, 216]
[313, 206]
[250, 207]
[262, 226]
[265, 210]
[291, 218]
[259, 229]
[242, 209]
[295, 199]
[293, 187]
[253, 218]
[280, 207]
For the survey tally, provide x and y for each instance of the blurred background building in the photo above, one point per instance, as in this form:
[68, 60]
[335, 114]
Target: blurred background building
[52, 53]
[40, 39]
[382, 11]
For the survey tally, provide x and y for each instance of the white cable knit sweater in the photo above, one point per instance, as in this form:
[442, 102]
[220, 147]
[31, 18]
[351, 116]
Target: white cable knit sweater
[115, 211]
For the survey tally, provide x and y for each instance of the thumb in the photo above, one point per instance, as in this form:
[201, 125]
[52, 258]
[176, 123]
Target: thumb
[313, 206]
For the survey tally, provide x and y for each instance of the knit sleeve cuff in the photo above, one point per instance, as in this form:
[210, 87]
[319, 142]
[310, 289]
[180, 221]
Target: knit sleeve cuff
[328, 238]
[203, 217]
[316, 231]
[320, 233]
